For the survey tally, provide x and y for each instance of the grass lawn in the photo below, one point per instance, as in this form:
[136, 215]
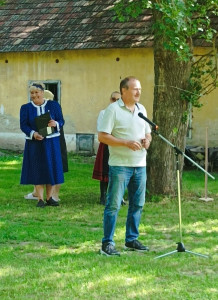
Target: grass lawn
[53, 253]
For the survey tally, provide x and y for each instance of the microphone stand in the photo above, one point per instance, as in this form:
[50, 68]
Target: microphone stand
[180, 247]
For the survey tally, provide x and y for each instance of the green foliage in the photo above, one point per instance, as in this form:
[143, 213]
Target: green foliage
[185, 117]
[130, 9]
[203, 78]
[174, 26]
[179, 21]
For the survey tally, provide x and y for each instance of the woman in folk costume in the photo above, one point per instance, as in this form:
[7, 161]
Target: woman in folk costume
[48, 95]
[42, 163]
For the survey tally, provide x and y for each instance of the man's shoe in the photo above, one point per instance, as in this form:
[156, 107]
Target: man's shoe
[52, 202]
[136, 246]
[109, 250]
[56, 198]
[40, 203]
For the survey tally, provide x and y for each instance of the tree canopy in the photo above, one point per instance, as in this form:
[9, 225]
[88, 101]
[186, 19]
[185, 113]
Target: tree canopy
[179, 22]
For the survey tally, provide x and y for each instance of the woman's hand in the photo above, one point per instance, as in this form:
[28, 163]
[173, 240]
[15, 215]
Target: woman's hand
[37, 136]
[52, 123]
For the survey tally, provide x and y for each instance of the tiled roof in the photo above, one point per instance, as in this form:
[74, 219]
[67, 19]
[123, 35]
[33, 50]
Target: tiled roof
[48, 25]
[33, 25]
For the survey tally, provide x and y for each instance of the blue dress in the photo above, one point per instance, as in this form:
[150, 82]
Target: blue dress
[42, 162]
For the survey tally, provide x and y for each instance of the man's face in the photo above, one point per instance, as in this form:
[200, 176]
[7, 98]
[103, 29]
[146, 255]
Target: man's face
[133, 93]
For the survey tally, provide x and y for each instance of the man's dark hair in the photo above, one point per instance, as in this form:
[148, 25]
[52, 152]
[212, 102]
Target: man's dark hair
[125, 83]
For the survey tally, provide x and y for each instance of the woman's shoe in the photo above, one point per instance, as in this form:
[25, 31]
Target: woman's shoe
[30, 196]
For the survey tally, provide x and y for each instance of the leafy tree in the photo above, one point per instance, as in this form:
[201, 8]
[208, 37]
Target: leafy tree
[180, 77]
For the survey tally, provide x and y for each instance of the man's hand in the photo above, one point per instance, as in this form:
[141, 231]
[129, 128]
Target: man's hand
[134, 145]
[145, 143]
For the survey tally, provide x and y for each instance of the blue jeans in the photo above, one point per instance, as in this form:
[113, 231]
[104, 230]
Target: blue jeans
[120, 178]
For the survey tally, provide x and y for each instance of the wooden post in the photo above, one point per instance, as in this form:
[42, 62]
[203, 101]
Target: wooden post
[206, 169]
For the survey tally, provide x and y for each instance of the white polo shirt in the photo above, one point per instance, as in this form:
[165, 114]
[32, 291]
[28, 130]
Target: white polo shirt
[120, 122]
[100, 116]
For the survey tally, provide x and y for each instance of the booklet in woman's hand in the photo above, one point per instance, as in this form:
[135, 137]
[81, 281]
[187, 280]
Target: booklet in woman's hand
[42, 124]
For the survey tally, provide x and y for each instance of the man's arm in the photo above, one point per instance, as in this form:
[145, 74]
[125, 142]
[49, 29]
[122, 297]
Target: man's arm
[148, 137]
[110, 140]
[146, 142]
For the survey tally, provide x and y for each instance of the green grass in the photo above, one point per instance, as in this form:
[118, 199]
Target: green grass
[53, 253]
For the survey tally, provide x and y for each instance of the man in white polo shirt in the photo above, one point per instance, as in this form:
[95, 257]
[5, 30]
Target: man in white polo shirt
[128, 137]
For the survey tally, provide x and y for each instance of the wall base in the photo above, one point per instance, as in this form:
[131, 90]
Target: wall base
[15, 142]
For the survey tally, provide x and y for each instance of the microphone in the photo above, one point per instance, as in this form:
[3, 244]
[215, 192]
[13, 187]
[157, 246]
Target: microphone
[154, 126]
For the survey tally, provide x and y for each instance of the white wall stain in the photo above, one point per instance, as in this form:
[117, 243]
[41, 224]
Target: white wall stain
[2, 109]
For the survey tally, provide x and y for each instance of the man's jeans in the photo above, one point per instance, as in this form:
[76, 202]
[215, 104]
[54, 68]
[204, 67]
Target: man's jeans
[120, 178]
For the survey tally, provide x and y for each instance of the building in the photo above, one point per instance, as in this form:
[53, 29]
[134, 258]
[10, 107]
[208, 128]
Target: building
[80, 52]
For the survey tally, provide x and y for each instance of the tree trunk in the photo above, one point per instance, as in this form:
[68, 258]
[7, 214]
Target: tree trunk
[171, 77]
